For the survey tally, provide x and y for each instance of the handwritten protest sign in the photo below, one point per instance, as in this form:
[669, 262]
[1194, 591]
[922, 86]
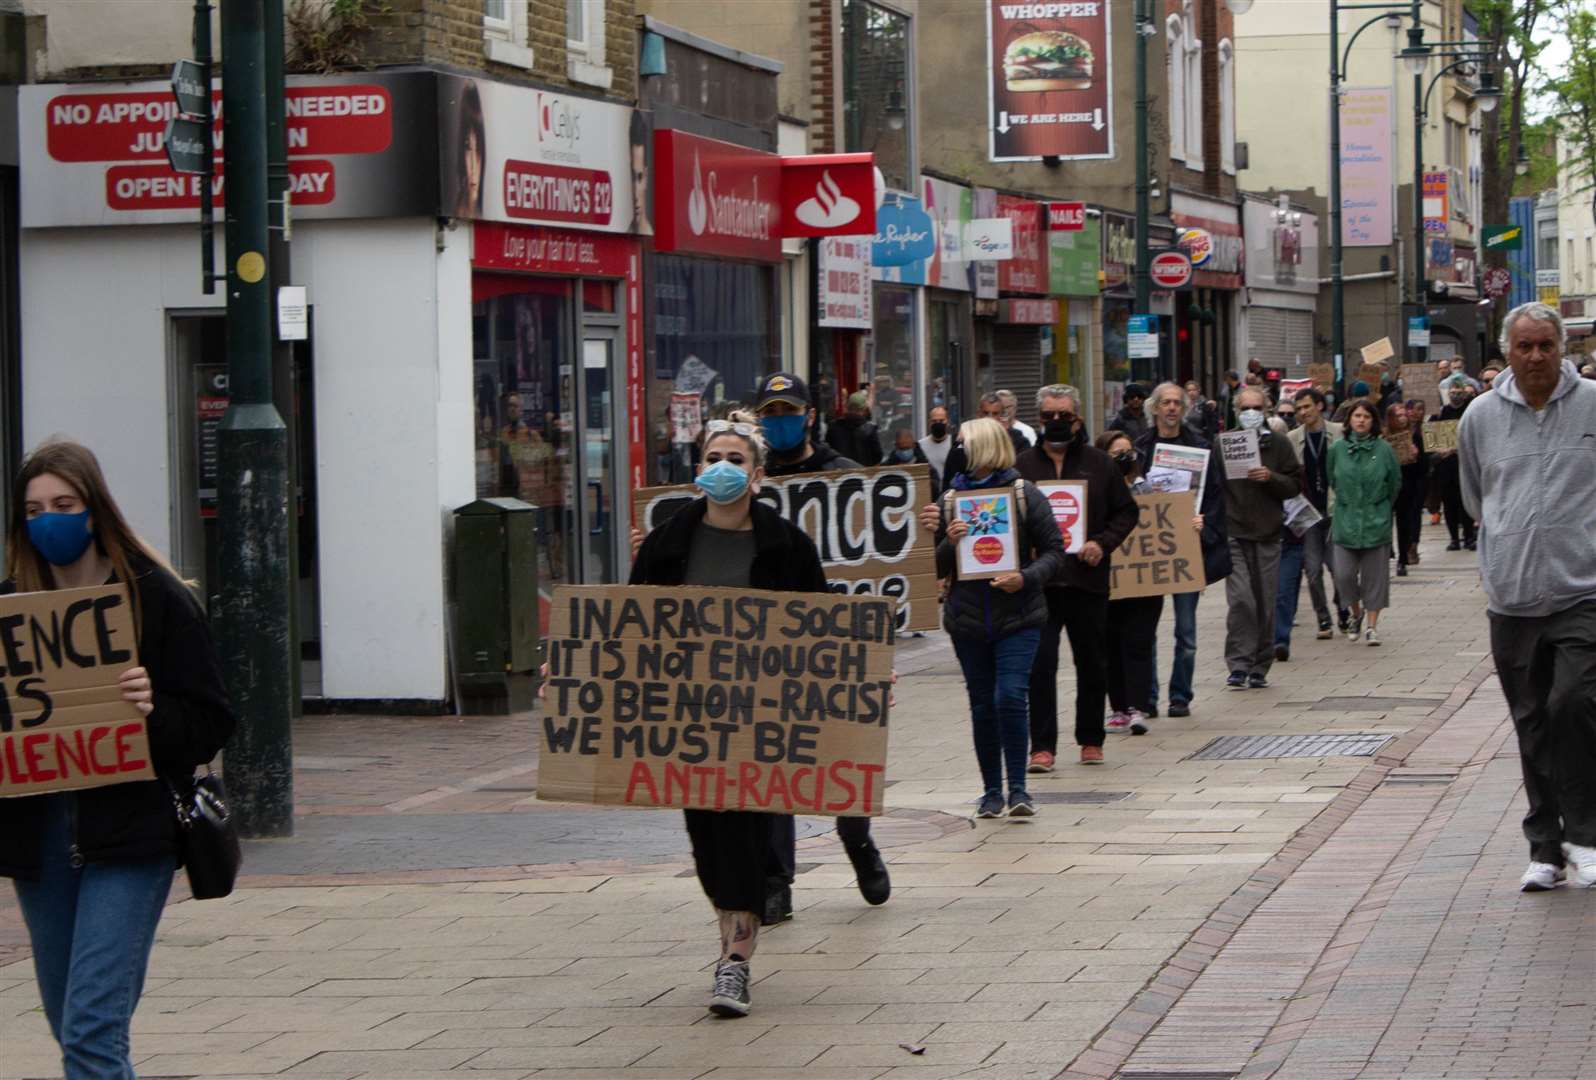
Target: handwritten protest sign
[63, 723]
[1373, 375]
[1067, 498]
[717, 699]
[863, 521]
[1440, 435]
[1163, 554]
[1323, 375]
[1239, 450]
[1419, 383]
[1377, 351]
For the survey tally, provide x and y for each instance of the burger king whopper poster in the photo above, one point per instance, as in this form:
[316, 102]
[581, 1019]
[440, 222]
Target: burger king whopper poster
[1049, 79]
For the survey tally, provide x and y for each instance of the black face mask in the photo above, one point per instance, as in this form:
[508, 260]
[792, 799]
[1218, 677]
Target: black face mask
[1059, 432]
[1126, 460]
[939, 429]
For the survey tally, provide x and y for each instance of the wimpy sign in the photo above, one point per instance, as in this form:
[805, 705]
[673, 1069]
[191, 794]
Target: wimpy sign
[63, 722]
[716, 699]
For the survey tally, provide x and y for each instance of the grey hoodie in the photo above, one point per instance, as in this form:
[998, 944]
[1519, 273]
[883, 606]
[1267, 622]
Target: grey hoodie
[1530, 479]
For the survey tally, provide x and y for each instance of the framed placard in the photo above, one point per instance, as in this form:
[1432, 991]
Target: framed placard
[991, 547]
[1067, 500]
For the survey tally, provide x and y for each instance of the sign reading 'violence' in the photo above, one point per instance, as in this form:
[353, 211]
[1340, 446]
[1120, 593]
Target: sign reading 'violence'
[863, 522]
[63, 723]
[717, 699]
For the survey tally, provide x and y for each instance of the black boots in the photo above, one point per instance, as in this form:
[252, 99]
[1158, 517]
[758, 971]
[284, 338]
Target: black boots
[874, 884]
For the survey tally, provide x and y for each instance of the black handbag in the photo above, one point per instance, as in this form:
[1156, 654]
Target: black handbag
[207, 837]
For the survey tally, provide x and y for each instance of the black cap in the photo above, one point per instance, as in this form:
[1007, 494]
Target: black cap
[1135, 390]
[782, 386]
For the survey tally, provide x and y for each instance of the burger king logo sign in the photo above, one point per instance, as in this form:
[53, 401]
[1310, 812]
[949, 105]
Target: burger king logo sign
[1199, 245]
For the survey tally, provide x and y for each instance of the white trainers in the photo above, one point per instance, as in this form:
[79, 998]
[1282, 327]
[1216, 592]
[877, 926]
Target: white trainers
[1119, 723]
[1541, 877]
[1138, 722]
[1581, 866]
[1371, 637]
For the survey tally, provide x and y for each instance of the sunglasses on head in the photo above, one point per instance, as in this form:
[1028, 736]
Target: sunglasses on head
[720, 427]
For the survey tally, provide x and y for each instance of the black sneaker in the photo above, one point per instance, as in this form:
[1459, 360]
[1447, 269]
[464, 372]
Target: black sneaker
[1402, 570]
[1343, 619]
[1257, 681]
[1237, 680]
[730, 995]
[1152, 712]
[1179, 708]
[1470, 545]
[778, 904]
[991, 807]
[1282, 653]
[874, 884]
[1020, 805]
[1454, 546]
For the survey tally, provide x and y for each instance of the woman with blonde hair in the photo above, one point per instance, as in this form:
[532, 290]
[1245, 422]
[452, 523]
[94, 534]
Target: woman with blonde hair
[92, 867]
[996, 624]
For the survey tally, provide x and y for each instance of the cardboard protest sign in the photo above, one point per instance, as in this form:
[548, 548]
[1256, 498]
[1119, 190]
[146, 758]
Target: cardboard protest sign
[717, 699]
[1239, 451]
[63, 723]
[1419, 383]
[1179, 468]
[1374, 375]
[865, 523]
[1377, 351]
[992, 546]
[1067, 498]
[1323, 375]
[1440, 435]
[1163, 555]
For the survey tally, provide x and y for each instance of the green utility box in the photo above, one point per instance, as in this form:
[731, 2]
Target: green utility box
[497, 651]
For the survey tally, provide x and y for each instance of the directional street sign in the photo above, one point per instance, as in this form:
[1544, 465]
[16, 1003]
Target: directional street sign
[187, 148]
[189, 86]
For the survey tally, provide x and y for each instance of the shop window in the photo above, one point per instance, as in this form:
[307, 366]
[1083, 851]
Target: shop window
[878, 97]
[584, 43]
[892, 374]
[504, 32]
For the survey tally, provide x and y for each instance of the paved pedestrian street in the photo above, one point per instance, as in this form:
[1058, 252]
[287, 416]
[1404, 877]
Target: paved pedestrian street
[1300, 917]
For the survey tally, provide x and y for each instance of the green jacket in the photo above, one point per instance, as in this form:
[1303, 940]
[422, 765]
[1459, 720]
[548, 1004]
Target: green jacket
[1365, 477]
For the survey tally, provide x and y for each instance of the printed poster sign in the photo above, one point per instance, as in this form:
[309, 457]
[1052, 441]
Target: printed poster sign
[1366, 214]
[1049, 80]
[863, 522]
[64, 724]
[991, 547]
[844, 291]
[1067, 499]
[717, 699]
[1163, 554]
[1026, 270]
[951, 208]
[1440, 435]
[1179, 468]
[1239, 450]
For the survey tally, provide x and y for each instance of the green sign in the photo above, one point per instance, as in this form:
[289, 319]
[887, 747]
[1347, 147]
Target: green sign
[1074, 258]
[1502, 237]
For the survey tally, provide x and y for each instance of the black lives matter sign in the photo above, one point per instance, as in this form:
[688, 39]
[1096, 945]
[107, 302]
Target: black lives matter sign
[1163, 554]
[63, 723]
[717, 699]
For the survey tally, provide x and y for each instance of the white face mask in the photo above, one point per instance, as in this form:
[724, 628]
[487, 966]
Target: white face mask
[1251, 419]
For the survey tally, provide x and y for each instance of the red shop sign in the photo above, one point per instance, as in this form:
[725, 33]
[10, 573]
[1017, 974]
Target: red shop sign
[1026, 272]
[538, 192]
[715, 198]
[1029, 312]
[312, 182]
[828, 195]
[1066, 216]
[1170, 269]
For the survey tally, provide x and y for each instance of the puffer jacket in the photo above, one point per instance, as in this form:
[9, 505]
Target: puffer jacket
[978, 609]
[1366, 478]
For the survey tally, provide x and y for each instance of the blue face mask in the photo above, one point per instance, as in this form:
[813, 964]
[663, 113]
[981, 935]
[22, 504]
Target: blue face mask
[785, 432]
[723, 482]
[60, 538]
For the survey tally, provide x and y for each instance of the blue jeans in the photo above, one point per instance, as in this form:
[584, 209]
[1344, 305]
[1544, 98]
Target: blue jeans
[91, 928]
[1288, 591]
[998, 677]
[1185, 666]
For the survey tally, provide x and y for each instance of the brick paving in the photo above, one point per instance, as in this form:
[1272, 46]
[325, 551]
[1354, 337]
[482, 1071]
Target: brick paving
[1225, 915]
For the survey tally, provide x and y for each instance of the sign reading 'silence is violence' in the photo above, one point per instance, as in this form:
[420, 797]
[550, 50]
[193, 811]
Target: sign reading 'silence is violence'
[717, 699]
[63, 722]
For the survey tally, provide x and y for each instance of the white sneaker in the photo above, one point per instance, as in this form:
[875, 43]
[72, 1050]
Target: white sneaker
[1139, 724]
[1119, 723]
[1581, 866]
[1371, 637]
[1540, 877]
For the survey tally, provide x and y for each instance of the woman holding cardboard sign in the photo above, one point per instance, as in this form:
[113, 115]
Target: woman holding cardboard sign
[93, 866]
[997, 540]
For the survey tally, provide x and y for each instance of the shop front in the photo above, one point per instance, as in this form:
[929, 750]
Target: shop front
[1282, 285]
[950, 331]
[894, 369]
[1207, 319]
[1117, 303]
[1074, 262]
[1022, 337]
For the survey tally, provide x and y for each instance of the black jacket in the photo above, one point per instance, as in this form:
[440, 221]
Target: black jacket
[1215, 538]
[191, 721]
[855, 437]
[976, 609]
[1132, 423]
[785, 558]
[1110, 508]
[823, 459]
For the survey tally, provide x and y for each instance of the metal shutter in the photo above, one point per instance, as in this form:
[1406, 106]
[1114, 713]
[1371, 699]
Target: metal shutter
[1017, 365]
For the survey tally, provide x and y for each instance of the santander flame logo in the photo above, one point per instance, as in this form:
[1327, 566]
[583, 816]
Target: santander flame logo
[829, 208]
[697, 205]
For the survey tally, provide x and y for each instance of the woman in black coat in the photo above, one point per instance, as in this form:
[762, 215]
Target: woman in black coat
[92, 867]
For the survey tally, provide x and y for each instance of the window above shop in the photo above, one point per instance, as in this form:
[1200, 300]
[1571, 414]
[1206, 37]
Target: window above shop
[584, 43]
[504, 32]
[878, 92]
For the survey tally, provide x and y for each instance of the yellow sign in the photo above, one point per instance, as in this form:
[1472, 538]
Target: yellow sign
[251, 267]
[1550, 295]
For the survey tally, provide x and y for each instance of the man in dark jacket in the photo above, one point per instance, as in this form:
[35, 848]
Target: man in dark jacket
[1132, 416]
[1254, 517]
[854, 436]
[1169, 427]
[1459, 525]
[786, 417]
[1077, 600]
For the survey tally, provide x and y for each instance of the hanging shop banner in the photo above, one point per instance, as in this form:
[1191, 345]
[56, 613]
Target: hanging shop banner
[828, 195]
[1073, 260]
[951, 208]
[905, 234]
[64, 724]
[863, 522]
[1049, 80]
[1066, 216]
[989, 239]
[1026, 272]
[1163, 554]
[1436, 211]
[1366, 179]
[843, 287]
[716, 198]
[984, 205]
[717, 699]
[359, 145]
